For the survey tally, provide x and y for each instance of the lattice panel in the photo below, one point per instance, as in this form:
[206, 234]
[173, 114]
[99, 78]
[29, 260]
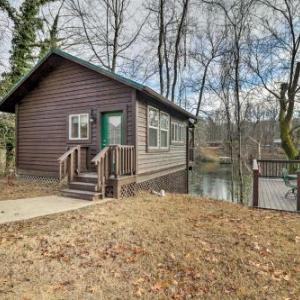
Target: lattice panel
[128, 190]
[39, 178]
[172, 183]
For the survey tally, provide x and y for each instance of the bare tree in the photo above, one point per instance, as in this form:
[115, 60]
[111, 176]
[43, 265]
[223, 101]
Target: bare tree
[107, 34]
[209, 45]
[237, 16]
[179, 33]
[161, 44]
[160, 29]
[274, 57]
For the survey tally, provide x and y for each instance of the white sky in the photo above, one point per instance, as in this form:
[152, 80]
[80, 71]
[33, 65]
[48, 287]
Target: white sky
[140, 48]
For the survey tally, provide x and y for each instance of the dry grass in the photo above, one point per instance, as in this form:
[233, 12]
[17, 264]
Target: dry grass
[17, 189]
[209, 154]
[177, 247]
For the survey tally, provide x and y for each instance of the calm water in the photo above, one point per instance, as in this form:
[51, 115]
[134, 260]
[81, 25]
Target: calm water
[212, 180]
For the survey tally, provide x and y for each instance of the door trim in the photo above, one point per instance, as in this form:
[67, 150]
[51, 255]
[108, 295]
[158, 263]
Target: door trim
[104, 123]
[111, 108]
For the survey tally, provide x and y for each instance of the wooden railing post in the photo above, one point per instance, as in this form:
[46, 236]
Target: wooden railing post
[72, 167]
[79, 159]
[117, 161]
[60, 171]
[255, 183]
[298, 191]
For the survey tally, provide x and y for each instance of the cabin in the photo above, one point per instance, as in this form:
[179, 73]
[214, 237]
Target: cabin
[101, 133]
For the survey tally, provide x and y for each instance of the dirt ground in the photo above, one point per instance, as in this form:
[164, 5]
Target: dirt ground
[17, 189]
[175, 247]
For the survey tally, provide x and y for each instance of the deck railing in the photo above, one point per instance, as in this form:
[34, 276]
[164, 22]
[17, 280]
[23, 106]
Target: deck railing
[70, 163]
[273, 168]
[123, 158]
[114, 160]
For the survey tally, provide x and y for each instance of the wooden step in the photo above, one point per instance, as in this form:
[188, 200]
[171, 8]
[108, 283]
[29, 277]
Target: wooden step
[83, 186]
[85, 195]
[86, 177]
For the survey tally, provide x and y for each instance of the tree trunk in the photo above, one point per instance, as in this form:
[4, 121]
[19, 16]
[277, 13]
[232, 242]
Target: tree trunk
[9, 158]
[238, 112]
[167, 64]
[286, 114]
[160, 45]
[286, 139]
[202, 88]
[177, 43]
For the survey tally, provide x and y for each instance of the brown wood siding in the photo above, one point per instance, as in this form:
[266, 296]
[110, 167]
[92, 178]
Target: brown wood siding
[159, 160]
[42, 114]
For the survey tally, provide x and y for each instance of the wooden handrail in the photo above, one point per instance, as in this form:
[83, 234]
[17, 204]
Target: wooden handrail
[273, 168]
[114, 160]
[279, 160]
[101, 160]
[101, 154]
[70, 163]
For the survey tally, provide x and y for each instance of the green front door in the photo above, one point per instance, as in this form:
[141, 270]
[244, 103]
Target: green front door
[111, 129]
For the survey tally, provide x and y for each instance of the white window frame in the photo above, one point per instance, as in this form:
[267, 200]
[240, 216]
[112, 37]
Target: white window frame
[153, 127]
[166, 130]
[178, 128]
[79, 127]
[182, 127]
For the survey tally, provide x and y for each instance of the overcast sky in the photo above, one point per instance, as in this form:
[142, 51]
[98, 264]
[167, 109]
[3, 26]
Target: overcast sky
[141, 48]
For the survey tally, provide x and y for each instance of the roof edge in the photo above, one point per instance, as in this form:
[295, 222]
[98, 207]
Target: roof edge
[25, 77]
[140, 87]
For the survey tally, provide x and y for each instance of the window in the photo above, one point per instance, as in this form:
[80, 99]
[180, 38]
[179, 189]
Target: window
[158, 129]
[153, 127]
[164, 130]
[79, 127]
[178, 132]
[182, 132]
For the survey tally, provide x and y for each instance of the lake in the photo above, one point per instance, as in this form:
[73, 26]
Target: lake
[212, 180]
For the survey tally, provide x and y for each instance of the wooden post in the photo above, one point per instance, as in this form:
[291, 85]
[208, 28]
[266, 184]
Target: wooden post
[255, 183]
[72, 167]
[98, 176]
[79, 159]
[117, 189]
[298, 191]
[117, 162]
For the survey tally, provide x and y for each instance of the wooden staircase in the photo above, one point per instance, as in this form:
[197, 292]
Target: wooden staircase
[111, 162]
[83, 186]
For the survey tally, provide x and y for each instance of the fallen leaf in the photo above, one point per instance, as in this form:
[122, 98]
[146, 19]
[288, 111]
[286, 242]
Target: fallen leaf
[172, 256]
[139, 292]
[139, 281]
[286, 277]
[157, 286]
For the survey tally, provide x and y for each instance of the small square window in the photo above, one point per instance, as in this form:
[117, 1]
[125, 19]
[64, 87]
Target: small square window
[79, 127]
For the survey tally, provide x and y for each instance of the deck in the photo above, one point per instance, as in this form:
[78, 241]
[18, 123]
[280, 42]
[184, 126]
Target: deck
[272, 195]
